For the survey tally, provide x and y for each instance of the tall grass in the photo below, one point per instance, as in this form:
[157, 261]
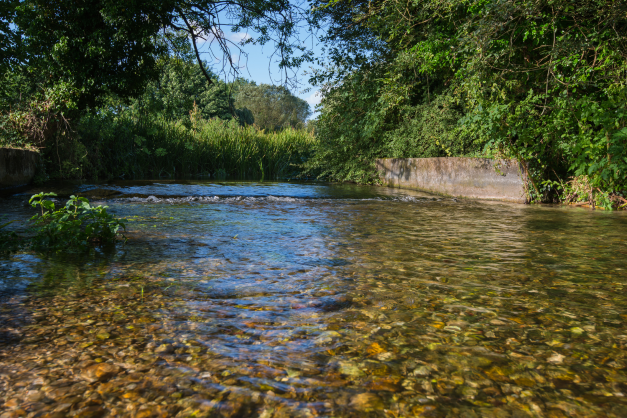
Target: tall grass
[123, 146]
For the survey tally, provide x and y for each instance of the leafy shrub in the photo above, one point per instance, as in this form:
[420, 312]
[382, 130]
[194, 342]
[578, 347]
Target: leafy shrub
[540, 81]
[350, 129]
[429, 130]
[581, 190]
[73, 227]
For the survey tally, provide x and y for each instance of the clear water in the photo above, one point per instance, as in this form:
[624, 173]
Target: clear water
[287, 299]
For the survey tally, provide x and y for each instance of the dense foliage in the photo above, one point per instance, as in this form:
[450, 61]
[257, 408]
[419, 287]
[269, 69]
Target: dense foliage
[179, 86]
[180, 126]
[84, 50]
[543, 81]
[145, 104]
[9, 37]
[63, 59]
[272, 107]
[109, 145]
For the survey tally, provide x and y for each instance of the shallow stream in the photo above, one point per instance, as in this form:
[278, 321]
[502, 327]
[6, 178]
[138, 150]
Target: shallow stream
[294, 299]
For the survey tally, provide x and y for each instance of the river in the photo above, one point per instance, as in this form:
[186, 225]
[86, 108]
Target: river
[280, 299]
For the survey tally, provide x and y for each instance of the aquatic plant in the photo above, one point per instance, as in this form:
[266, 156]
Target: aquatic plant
[74, 227]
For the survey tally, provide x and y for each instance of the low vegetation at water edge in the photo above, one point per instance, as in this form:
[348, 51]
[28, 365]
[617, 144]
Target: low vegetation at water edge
[74, 227]
[130, 147]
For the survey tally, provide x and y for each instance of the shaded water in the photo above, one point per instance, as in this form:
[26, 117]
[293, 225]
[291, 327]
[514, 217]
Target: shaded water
[281, 299]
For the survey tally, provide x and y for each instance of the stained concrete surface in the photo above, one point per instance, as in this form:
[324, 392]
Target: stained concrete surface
[478, 178]
[17, 167]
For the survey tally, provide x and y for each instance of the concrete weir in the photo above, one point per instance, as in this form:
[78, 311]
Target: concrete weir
[478, 178]
[17, 167]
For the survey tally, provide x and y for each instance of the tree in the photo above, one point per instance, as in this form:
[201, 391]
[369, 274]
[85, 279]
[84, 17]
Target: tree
[542, 81]
[278, 21]
[273, 107]
[86, 49]
[180, 85]
[9, 36]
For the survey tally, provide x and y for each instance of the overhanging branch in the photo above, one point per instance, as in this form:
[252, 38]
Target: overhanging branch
[193, 35]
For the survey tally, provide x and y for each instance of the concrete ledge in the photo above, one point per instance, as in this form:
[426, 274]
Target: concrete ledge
[478, 178]
[17, 167]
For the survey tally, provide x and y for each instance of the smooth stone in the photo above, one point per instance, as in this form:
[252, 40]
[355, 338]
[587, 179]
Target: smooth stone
[100, 372]
[366, 401]
[164, 349]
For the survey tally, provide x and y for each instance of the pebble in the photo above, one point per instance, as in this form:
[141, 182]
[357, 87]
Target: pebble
[100, 372]
[366, 402]
[165, 349]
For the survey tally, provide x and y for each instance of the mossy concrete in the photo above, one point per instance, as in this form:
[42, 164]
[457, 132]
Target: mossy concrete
[477, 178]
[17, 167]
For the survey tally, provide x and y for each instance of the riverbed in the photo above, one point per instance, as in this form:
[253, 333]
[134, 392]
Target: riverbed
[281, 299]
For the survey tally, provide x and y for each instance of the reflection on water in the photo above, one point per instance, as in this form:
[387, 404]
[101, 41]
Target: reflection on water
[279, 299]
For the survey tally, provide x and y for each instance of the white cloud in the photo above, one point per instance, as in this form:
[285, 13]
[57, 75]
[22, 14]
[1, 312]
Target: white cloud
[239, 37]
[314, 99]
[206, 37]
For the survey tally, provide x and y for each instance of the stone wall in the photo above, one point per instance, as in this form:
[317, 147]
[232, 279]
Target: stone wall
[17, 167]
[478, 178]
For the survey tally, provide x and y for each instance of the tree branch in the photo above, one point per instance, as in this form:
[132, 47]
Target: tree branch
[191, 32]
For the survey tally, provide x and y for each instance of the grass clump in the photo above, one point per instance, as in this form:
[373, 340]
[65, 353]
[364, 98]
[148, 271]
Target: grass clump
[107, 145]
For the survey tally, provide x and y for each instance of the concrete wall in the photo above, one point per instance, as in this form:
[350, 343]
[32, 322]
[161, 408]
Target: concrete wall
[17, 167]
[478, 178]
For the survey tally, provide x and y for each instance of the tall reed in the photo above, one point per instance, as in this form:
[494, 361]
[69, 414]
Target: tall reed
[131, 147]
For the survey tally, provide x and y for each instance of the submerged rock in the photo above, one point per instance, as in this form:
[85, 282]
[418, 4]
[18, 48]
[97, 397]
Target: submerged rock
[100, 372]
[366, 402]
[165, 349]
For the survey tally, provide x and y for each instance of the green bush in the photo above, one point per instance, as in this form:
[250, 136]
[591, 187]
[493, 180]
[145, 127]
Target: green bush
[429, 130]
[74, 227]
[350, 130]
[540, 81]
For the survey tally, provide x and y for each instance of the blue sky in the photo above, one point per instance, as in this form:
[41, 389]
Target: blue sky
[256, 63]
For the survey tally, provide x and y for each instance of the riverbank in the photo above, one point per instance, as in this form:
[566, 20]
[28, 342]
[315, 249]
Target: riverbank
[488, 179]
[123, 147]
